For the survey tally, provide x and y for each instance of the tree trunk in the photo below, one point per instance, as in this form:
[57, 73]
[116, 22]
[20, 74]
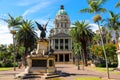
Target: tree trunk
[24, 58]
[84, 53]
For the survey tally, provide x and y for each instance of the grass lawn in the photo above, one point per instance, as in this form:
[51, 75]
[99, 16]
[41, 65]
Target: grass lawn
[88, 78]
[104, 70]
[7, 68]
[54, 79]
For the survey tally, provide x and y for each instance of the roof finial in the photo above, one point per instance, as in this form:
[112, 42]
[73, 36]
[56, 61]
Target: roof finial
[62, 7]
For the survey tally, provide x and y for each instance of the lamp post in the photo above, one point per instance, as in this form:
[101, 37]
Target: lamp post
[13, 32]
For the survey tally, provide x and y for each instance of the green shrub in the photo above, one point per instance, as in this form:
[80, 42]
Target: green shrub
[0, 64]
[7, 64]
[109, 65]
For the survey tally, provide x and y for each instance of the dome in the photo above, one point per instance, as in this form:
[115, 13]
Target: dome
[62, 11]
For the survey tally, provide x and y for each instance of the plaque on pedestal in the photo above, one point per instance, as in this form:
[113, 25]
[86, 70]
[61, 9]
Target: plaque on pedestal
[41, 64]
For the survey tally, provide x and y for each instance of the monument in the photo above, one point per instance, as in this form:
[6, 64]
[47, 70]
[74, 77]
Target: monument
[118, 53]
[42, 61]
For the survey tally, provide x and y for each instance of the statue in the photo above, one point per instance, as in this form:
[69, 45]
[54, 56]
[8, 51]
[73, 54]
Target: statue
[51, 51]
[42, 29]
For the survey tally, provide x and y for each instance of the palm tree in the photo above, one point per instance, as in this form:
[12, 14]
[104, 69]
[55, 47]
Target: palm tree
[26, 37]
[82, 34]
[96, 39]
[109, 38]
[118, 4]
[13, 23]
[94, 6]
[76, 47]
[113, 23]
[97, 18]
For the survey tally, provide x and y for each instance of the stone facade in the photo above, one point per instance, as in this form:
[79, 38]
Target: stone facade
[60, 39]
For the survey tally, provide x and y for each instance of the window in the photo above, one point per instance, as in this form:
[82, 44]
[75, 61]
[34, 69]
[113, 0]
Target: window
[57, 24]
[61, 43]
[65, 25]
[56, 43]
[66, 43]
[66, 31]
[57, 31]
[61, 24]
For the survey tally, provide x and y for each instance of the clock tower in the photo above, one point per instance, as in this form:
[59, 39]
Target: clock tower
[60, 39]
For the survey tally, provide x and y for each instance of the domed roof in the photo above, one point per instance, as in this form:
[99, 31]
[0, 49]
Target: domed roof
[62, 11]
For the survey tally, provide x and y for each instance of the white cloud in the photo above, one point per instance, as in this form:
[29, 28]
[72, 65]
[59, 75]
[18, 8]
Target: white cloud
[27, 2]
[94, 27]
[36, 8]
[5, 36]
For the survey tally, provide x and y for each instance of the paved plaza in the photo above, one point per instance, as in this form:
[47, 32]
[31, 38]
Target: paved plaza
[69, 69]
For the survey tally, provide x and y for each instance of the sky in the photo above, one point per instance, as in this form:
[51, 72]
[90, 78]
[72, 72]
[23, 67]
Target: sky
[41, 10]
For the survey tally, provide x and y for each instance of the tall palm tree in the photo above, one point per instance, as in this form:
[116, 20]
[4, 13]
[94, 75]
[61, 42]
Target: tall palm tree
[96, 39]
[82, 34]
[13, 23]
[97, 18]
[94, 6]
[113, 23]
[117, 4]
[109, 37]
[26, 36]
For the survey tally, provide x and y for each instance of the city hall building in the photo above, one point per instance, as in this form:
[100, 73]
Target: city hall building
[59, 38]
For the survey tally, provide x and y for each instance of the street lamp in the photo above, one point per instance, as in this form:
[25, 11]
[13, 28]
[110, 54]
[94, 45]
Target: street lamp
[13, 32]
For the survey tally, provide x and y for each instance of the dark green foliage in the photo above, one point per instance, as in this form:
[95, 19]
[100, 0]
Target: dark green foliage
[82, 36]
[8, 64]
[114, 65]
[0, 64]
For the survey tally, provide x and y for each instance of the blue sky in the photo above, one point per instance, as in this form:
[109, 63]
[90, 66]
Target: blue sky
[41, 10]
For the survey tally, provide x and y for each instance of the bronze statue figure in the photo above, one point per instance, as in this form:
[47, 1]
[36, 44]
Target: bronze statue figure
[42, 29]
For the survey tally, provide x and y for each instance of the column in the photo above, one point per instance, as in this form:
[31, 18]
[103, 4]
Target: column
[54, 43]
[63, 57]
[47, 65]
[58, 59]
[64, 44]
[70, 44]
[63, 24]
[49, 43]
[58, 44]
[69, 56]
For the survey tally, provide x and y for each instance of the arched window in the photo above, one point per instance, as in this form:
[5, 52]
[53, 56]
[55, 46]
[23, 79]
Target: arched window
[57, 24]
[65, 25]
[61, 24]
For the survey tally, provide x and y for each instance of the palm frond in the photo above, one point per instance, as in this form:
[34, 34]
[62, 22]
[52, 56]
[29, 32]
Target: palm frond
[102, 10]
[111, 14]
[117, 5]
[100, 2]
[11, 18]
[88, 10]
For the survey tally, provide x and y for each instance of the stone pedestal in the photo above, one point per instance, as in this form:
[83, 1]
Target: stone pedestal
[118, 55]
[41, 64]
